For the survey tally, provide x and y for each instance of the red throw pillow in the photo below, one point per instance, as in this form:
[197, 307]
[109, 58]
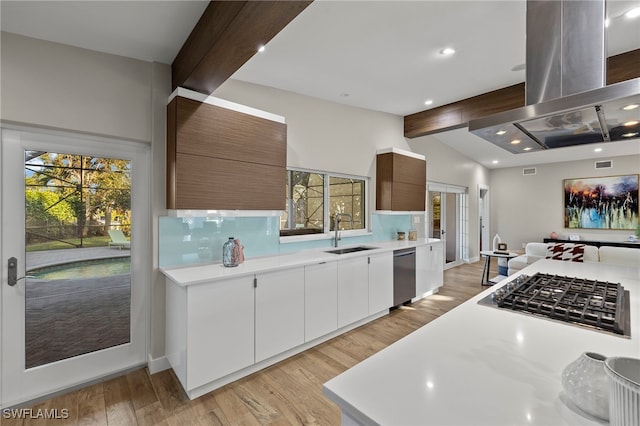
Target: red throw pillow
[568, 252]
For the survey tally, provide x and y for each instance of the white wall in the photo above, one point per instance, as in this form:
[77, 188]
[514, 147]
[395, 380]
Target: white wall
[55, 85]
[529, 208]
[51, 85]
[446, 165]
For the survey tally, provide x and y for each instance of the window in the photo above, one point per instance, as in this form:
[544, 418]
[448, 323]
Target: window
[313, 198]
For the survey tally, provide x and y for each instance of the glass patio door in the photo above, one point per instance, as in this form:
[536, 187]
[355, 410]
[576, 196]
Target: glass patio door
[443, 223]
[74, 274]
[447, 220]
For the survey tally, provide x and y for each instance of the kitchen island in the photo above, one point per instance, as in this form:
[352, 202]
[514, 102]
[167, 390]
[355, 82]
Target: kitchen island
[480, 365]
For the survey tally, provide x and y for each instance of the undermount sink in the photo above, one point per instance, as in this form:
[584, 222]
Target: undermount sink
[350, 250]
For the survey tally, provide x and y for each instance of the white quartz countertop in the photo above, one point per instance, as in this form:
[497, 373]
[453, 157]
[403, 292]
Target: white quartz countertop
[189, 275]
[480, 365]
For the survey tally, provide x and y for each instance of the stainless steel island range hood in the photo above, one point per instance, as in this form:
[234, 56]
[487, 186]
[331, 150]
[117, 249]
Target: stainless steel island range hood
[568, 103]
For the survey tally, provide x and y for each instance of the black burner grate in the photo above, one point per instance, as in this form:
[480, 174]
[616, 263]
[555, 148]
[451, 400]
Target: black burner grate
[587, 302]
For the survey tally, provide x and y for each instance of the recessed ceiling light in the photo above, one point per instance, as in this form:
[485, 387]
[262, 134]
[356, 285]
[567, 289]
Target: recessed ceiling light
[495, 162]
[515, 141]
[428, 102]
[629, 135]
[630, 107]
[261, 49]
[633, 13]
[607, 22]
[597, 150]
[527, 148]
[631, 123]
[447, 51]
[501, 132]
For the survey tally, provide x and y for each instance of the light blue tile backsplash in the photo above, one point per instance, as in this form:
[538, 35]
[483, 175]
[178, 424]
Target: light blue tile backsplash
[194, 240]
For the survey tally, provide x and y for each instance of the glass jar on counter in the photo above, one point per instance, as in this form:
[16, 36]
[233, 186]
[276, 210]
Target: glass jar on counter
[228, 259]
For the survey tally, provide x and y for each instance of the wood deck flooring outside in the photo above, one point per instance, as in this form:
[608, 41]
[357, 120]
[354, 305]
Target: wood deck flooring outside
[287, 393]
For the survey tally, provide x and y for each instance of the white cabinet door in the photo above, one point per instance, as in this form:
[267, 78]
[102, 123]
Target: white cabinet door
[320, 299]
[279, 311]
[220, 329]
[429, 268]
[380, 282]
[423, 259]
[353, 290]
[436, 266]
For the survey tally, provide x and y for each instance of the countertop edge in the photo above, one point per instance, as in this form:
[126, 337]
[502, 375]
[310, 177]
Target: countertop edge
[215, 271]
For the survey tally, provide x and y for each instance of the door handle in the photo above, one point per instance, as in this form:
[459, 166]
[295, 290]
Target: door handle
[12, 268]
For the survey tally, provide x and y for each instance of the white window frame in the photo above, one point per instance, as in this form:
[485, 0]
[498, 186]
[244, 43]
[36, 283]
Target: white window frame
[327, 233]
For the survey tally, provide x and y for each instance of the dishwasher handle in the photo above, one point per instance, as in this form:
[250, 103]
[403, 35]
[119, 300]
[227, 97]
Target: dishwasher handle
[404, 252]
[413, 253]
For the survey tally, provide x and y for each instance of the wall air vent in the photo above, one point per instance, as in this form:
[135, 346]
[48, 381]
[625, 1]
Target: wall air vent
[607, 164]
[529, 171]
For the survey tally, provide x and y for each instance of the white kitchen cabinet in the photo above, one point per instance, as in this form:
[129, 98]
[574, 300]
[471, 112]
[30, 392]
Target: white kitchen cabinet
[380, 282]
[320, 299]
[220, 328]
[353, 290]
[429, 268]
[279, 310]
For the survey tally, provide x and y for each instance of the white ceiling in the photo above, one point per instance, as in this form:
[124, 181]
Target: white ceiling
[380, 55]
[149, 30]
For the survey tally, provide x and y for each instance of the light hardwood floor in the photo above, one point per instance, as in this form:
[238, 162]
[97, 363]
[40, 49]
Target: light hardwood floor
[287, 393]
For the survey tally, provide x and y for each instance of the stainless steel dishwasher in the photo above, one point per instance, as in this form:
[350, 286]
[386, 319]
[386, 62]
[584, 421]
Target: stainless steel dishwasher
[404, 275]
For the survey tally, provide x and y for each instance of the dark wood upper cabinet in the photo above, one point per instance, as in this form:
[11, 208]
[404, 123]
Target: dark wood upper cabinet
[223, 159]
[401, 181]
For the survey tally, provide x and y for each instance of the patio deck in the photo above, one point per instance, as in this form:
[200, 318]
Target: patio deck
[40, 259]
[69, 317]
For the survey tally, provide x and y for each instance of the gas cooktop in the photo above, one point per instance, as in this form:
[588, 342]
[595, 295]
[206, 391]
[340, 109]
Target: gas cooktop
[599, 305]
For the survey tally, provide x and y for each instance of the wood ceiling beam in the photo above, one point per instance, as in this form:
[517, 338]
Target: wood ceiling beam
[227, 35]
[458, 114]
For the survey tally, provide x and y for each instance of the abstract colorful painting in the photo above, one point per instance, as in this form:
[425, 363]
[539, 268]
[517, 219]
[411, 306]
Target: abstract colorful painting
[609, 202]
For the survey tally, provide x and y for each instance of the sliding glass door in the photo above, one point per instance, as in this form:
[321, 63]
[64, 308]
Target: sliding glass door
[447, 220]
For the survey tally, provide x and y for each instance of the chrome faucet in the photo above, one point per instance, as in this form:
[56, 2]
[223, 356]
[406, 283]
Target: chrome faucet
[336, 223]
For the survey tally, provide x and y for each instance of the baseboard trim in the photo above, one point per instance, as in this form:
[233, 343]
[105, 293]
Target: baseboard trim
[156, 365]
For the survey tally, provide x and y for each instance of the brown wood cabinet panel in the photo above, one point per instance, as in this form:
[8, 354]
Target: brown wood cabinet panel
[213, 183]
[223, 159]
[212, 131]
[408, 197]
[400, 182]
[409, 170]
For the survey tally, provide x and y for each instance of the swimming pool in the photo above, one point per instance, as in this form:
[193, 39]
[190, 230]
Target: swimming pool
[84, 269]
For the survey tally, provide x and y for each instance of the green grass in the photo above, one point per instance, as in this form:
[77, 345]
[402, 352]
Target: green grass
[57, 245]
